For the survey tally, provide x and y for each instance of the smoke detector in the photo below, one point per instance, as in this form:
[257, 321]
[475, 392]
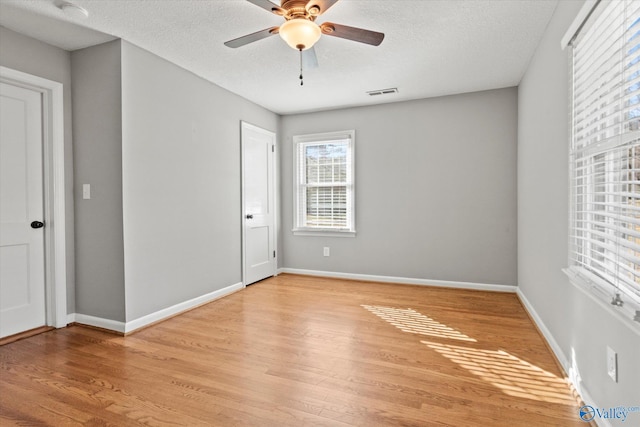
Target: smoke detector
[74, 11]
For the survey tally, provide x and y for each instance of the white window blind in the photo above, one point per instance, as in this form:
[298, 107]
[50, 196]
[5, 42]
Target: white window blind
[324, 182]
[605, 151]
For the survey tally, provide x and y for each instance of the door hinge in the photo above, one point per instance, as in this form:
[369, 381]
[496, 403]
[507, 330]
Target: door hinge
[273, 148]
[274, 254]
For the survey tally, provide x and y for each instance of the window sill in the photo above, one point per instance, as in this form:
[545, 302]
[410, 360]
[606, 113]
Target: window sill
[602, 296]
[322, 232]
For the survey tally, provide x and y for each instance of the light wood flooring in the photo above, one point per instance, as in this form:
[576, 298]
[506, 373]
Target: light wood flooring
[297, 351]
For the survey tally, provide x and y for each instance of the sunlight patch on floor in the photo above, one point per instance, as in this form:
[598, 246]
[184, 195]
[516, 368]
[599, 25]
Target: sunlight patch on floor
[409, 320]
[507, 372]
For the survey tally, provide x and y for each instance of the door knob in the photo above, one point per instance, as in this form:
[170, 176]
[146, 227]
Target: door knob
[249, 216]
[37, 224]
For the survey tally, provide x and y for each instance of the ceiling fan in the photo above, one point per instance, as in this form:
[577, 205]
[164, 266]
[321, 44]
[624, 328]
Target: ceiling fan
[300, 30]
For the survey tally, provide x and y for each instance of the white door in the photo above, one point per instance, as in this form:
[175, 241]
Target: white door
[22, 286]
[258, 190]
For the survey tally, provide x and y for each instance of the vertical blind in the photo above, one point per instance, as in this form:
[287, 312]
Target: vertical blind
[605, 148]
[325, 185]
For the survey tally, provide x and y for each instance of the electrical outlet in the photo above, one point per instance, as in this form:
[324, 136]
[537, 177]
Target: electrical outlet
[612, 364]
[326, 251]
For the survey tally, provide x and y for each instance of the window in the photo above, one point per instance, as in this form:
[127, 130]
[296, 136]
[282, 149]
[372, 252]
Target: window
[324, 184]
[605, 154]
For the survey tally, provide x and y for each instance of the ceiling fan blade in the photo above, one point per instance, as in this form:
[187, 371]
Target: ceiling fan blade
[309, 58]
[269, 6]
[253, 37]
[318, 7]
[352, 33]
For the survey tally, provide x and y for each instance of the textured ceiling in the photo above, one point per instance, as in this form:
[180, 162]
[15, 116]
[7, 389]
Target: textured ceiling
[431, 47]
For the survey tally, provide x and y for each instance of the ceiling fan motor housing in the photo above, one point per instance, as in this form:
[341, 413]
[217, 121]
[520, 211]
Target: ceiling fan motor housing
[296, 9]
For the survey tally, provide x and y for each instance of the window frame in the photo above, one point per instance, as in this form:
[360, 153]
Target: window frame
[301, 141]
[584, 157]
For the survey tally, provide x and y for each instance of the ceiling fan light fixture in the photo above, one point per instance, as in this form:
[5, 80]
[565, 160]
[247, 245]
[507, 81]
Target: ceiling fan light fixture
[300, 33]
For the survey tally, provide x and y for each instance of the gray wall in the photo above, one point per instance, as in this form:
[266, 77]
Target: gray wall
[31, 56]
[578, 325]
[181, 172]
[435, 190]
[97, 127]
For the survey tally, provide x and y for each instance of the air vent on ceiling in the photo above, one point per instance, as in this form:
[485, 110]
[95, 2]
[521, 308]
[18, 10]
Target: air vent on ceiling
[383, 91]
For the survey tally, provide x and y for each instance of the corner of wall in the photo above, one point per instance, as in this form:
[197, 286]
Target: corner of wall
[97, 127]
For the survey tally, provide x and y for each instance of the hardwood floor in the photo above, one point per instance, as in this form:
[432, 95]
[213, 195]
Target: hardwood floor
[295, 351]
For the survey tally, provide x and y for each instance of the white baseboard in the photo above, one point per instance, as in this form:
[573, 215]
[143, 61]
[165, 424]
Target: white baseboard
[555, 347]
[99, 322]
[402, 280]
[141, 322]
[568, 365]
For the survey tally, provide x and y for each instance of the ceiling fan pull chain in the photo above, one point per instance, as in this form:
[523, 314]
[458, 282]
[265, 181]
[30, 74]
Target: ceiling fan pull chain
[301, 81]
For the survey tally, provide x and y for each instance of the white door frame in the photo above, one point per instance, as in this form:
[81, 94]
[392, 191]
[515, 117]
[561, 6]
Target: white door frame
[54, 190]
[276, 212]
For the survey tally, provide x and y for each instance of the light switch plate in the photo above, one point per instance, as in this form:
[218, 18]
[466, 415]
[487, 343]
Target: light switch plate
[86, 191]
